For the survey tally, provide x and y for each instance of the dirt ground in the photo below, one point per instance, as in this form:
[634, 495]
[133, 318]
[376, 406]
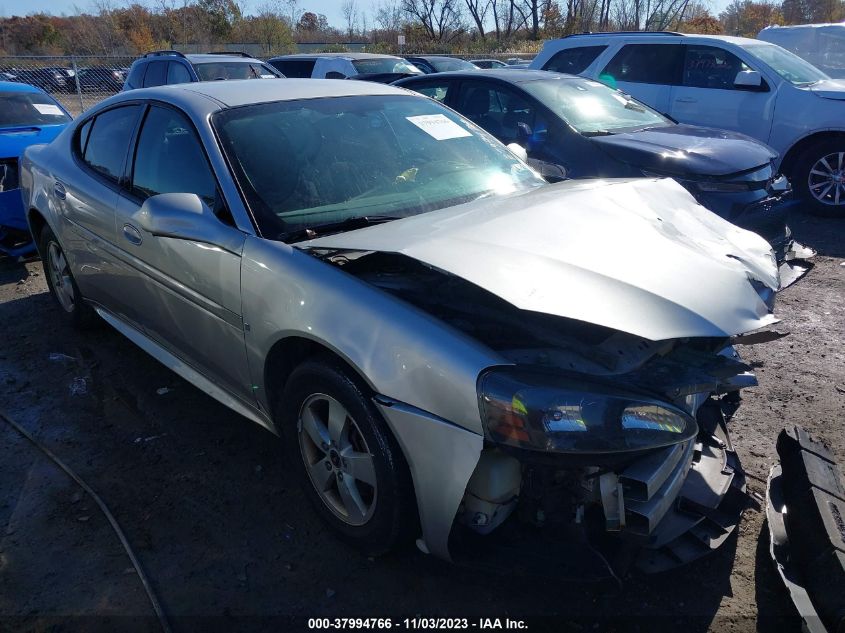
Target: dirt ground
[230, 543]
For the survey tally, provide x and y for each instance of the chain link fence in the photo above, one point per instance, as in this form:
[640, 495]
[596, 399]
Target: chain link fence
[75, 82]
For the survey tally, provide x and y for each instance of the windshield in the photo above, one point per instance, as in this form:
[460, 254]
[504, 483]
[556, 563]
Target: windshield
[314, 162]
[448, 65]
[591, 107]
[385, 65]
[788, 65]
[30, 109]
[212, 71]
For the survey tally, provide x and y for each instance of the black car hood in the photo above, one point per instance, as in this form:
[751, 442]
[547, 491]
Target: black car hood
[686, 150]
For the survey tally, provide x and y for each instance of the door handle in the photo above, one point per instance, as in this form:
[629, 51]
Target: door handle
[59, 190]
[686, 100]
[132, 234]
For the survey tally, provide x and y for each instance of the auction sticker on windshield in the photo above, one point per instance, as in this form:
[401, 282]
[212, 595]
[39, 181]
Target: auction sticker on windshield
[439, 126]
[48, 108]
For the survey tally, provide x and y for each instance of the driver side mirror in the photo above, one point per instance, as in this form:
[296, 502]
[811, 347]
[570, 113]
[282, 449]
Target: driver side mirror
[186, 216]
[749, 80]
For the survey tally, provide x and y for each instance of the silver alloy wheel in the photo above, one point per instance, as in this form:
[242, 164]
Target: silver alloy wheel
[826, 180]
[60, 276]
[337, 459]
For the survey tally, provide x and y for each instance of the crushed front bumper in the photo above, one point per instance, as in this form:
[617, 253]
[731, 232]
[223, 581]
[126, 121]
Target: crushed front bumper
[805, 509]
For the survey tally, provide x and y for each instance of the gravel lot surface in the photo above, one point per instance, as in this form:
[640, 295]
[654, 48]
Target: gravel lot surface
[230, 543]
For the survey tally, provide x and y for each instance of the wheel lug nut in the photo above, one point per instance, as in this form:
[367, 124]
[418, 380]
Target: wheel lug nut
[328, 465]
[340, 476]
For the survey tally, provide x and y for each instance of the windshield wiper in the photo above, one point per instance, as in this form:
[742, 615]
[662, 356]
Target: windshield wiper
[348, 224]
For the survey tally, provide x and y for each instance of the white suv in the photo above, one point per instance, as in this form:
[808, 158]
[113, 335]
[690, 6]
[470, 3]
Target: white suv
[726, 82]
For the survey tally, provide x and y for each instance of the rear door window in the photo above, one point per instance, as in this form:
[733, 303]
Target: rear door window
[645, 63]
[156, 74]
[573, 60]
[298, 68]
[108, 140]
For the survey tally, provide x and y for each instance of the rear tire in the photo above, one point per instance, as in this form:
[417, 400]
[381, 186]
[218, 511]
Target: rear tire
[819, 178]
[348, 462]
[61, 283]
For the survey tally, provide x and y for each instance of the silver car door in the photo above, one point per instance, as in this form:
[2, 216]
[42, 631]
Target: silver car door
[86, 193]
[190, 301]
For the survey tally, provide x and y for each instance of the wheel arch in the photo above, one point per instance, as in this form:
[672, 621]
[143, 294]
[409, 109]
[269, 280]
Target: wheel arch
[37, 222]
[790, 159]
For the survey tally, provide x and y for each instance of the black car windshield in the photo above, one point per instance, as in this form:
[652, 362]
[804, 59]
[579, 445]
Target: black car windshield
[788, 65]
[319, 162]
[449, 65]
[212, 71]
[29, 108]
[388, 65]
[593, 108]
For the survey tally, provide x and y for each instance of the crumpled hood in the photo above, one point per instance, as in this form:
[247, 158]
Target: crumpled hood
[14, 140]
[640, 256]
[829, 89]
[687, 150]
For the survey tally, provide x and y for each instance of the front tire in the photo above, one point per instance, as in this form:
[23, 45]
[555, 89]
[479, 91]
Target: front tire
[819, 178]
[348, 462]
[61, 283]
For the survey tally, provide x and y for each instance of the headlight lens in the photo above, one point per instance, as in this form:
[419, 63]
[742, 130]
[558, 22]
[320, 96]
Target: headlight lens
[543, 412]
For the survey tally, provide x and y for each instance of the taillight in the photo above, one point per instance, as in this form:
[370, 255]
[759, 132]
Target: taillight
[8, 174]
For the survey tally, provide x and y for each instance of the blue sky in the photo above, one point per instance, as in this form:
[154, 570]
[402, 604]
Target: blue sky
[331, 8]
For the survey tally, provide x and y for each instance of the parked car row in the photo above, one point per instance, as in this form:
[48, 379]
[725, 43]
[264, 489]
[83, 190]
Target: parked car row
[733, 83]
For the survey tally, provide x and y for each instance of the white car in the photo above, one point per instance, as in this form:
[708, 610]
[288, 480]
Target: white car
[371, 66]
[734, 83]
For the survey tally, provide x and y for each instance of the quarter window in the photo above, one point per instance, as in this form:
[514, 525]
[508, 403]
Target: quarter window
[645, 63]
[108, 140]
[435, 91]
[711, 67]
[573, 60]
[156, 74]
[177, 73]
[169, 158]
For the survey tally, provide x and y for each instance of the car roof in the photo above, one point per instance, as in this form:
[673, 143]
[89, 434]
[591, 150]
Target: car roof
[14, 86]
[663, 36]
[337, 55]
[211, 57]
[512, 76]
[434, 57]
[240, 92]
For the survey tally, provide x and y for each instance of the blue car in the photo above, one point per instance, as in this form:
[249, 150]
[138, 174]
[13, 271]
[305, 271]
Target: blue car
[28, 116]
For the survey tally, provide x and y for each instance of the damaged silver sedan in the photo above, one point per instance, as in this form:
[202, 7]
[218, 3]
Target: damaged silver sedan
[454, 351]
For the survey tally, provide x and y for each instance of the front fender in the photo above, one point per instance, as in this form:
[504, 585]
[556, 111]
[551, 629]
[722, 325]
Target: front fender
[400, 351]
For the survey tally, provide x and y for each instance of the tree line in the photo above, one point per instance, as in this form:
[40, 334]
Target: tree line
[457, 26]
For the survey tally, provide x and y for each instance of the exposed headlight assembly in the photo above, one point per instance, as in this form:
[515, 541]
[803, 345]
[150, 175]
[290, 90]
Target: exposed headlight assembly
[544, 412]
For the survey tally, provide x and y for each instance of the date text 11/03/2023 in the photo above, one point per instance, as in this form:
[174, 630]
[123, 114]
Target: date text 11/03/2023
[418, 623]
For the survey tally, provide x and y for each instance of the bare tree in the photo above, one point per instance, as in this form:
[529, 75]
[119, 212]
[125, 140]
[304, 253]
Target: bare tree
[440, 19]
[349, 9]
[478, 12]
[388, 16]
